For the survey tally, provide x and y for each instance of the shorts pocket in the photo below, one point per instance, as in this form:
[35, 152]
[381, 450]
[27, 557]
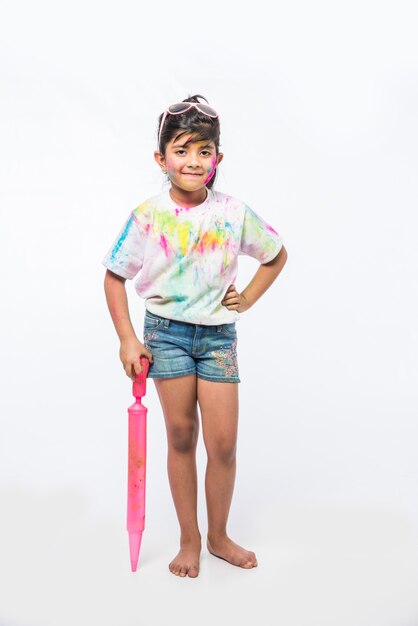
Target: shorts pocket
[229, 329]
[151, 322]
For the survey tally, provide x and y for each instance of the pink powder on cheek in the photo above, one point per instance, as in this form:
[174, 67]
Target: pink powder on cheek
[171, 168]
[211, 170]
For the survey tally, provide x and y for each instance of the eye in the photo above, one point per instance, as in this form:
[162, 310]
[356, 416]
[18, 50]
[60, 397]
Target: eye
[207, 152]
[177, 151]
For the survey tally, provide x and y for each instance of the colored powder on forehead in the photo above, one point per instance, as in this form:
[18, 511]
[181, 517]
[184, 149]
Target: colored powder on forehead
[184, 140]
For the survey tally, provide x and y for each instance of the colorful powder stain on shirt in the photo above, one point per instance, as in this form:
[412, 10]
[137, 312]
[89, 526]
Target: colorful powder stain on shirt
[122, 238]
[188, 257]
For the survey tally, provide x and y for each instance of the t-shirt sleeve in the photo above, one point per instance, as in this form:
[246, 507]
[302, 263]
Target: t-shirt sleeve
[259, 239]
[126, 255]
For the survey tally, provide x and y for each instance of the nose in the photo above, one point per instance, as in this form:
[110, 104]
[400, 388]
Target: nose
[193, 161]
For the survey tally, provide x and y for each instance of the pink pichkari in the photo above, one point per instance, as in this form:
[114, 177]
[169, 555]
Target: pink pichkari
[137, 463]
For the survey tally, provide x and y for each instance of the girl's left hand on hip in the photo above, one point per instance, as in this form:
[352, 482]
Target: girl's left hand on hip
[235, 301]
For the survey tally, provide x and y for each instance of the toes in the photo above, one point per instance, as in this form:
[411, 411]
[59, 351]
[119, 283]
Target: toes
[174, 568]
[193, 571]
[249, 561]
[184, 570]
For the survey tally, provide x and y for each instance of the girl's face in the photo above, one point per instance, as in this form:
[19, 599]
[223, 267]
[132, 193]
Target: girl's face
[189, 166]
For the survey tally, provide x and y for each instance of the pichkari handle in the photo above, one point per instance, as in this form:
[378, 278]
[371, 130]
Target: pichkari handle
[137, 462]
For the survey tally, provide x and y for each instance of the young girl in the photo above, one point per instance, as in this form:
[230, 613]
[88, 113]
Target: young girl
[186, 241]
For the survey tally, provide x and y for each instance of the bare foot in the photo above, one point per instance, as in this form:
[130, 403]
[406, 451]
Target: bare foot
[226, 549]
[187, 560]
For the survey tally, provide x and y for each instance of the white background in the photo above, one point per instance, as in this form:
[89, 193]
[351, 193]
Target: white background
[318, 105]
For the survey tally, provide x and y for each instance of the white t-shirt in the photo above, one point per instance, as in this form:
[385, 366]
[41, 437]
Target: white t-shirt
[188, 257]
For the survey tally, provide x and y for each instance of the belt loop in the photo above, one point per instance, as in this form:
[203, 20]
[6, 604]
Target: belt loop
[219, 328]
[166, 323]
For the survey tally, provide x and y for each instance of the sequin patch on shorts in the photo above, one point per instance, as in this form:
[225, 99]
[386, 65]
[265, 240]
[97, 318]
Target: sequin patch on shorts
[147, 338]
[227, 359]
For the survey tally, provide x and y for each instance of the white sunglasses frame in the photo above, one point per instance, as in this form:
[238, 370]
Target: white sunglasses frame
[192, 104]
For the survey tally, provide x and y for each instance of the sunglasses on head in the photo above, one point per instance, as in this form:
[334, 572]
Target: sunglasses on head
[182, 107]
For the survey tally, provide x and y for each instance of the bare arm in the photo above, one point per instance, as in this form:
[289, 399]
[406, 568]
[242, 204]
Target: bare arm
[117, 303]
[264, 277]
[131, 349]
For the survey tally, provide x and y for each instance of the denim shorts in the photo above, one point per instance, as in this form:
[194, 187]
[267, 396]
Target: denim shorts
[181, 348]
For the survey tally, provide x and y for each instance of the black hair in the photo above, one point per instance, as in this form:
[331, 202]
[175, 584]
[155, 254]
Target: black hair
[192, 121]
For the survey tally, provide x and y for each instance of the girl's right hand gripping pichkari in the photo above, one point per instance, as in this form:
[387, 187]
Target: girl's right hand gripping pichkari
[130, 353]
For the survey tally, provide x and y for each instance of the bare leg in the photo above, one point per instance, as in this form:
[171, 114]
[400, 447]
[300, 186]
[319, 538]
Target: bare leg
[219, 410]
[178, 398]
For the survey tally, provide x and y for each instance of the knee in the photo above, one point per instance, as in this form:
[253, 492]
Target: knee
[183, 438]
[224, 452]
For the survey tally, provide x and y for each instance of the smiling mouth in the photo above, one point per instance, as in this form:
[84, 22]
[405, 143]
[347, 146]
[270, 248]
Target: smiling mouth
[190, 174]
